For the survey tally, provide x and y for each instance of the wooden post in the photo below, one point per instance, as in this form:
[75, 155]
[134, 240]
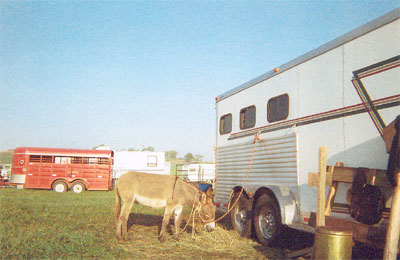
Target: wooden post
[321, 186]
[392, 235]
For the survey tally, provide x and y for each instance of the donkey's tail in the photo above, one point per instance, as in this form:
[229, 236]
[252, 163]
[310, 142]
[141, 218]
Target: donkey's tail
[117, 202]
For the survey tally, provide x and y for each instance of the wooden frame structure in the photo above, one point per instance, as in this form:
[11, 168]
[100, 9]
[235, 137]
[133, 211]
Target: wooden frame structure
[373, 235]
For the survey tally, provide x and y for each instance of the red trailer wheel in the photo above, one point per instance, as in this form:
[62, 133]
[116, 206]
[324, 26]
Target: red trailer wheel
[60, 186]
[78, 187]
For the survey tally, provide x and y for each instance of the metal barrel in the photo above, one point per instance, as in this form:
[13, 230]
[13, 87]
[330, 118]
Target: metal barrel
[332, 243]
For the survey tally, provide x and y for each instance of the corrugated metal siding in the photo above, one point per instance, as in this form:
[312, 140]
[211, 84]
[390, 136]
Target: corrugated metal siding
[274, 163]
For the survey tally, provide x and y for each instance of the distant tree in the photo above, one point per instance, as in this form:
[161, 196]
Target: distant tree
[171, 155]
[189, 157]
[150, 149]
[198, 157]
[132, 149]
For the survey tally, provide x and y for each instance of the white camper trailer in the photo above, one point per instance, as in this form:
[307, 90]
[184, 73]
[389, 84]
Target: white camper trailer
[339, 95]
[149, 162]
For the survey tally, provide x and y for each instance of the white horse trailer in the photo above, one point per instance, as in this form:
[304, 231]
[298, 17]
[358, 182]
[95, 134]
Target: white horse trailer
[200, 172]
[148, 162]
[327, 97]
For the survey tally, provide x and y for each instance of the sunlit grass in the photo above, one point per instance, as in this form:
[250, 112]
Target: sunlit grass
[37, 224]
[44, 224]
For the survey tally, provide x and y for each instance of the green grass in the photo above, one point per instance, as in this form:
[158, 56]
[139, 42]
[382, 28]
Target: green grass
[38, 224]
[43, 224]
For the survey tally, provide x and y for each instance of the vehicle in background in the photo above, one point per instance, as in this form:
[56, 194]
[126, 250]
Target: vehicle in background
[326, 97]
[5, 173]
[62, 169]
[145, 161]
[197, 172]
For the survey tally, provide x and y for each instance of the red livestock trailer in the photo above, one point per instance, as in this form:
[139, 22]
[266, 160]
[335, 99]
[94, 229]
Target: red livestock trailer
[62, 169]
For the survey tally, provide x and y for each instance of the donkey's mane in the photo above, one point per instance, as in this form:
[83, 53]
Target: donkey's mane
[186, 183]
[194, 186]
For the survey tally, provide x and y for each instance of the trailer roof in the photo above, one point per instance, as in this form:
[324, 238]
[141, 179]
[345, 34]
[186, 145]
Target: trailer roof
[364, 29]
[63, 152]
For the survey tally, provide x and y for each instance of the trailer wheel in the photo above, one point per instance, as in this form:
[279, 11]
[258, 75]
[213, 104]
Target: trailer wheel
[241, 218]
[267, 219]
[60, 186]
[78, 187]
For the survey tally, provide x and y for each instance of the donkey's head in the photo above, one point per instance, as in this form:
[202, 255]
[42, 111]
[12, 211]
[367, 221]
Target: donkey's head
[207, 211]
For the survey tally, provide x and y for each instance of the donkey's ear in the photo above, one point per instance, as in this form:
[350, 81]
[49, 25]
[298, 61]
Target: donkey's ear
[203, 197]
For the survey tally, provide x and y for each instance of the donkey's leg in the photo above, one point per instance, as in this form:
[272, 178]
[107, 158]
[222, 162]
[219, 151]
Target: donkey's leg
[178, 219]
[167, 215]
[119, 229]
[123, 219]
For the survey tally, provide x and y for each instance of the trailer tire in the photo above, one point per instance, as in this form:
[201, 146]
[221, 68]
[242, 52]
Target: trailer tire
[60, 186]
[241, 219]
[78, 187]
[267, 219]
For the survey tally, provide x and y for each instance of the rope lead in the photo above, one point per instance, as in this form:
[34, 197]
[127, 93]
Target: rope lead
[256, 139]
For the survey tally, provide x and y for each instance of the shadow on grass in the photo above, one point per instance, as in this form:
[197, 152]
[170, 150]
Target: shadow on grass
[293, 240]
[144, 220]
[290, 240]
[155, 220]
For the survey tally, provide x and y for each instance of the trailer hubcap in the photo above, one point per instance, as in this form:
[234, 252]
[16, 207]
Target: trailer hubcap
[60, 188]
[267, 224]
[77, 188]
[240, 218]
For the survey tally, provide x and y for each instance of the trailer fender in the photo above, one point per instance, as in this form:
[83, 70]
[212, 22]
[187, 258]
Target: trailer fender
[283, 196]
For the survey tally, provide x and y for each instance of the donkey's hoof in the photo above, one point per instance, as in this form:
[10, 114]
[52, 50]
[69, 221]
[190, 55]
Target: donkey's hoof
[161, 239]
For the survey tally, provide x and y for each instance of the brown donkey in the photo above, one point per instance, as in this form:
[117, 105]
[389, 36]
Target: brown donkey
[160, 191]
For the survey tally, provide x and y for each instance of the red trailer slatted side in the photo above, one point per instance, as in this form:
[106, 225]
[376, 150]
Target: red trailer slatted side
[40, 168]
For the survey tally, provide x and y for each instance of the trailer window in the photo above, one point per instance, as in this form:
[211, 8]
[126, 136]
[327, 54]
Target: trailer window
[47, 159]
[34, 158]
[247, 117]
[151, 161]
[89, 160]
[76, 160]
[102, 161]
[225, 124]
[61, 160]
[278, 108]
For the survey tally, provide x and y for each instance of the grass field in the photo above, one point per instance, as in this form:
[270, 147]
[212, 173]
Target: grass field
[38, 224]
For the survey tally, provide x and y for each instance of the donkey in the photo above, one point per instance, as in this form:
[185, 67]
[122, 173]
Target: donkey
[160, 191]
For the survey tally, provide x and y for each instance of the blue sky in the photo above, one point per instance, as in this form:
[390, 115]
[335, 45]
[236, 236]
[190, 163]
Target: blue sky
[77, 74]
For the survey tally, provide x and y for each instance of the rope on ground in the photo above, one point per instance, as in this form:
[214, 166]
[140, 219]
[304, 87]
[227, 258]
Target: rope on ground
[191, 216]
